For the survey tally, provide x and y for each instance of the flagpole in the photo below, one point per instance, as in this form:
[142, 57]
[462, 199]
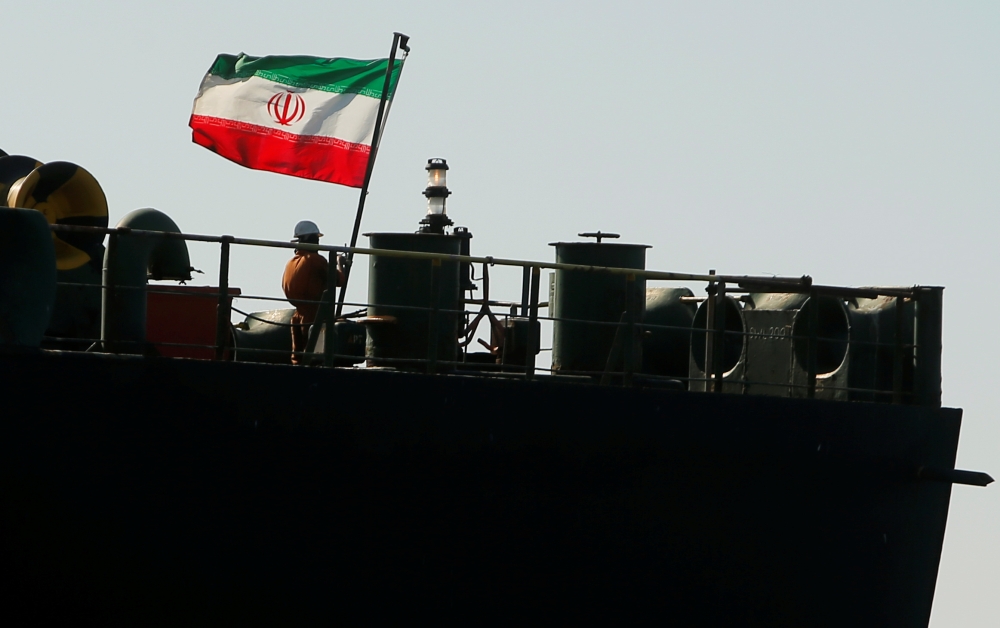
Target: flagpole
[399, 40]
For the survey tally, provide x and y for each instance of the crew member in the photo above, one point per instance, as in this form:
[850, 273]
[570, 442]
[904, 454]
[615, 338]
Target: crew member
[304, 281]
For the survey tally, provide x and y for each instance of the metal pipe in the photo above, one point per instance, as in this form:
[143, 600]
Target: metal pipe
[746, 282]
[897, 354]
[812, 348]
[710, 333]
[432, 335]
[135, 259]
[719, 355]
[330, 321]
[803, 286]
[658, 275]
[109, 294]
[515, 304]
[529, 363]
[868, 292]
[223, 314]
[631, 314]
[372, 154]
[954, 476]
[525, 287]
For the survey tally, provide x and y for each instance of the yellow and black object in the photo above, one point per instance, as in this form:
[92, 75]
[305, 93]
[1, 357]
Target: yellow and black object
[67, 195]
[14, 168]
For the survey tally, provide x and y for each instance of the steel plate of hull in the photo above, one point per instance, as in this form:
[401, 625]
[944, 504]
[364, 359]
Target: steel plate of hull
[151, 488]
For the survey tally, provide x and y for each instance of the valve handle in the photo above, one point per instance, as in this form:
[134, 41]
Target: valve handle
[599, 235]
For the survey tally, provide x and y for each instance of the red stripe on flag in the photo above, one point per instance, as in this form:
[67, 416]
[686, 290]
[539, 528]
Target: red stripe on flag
[261, 148]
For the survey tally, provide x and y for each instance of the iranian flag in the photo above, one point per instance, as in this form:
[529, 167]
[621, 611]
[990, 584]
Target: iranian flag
[303, 116]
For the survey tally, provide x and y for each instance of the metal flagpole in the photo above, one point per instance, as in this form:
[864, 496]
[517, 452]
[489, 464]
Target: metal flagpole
[401, 41]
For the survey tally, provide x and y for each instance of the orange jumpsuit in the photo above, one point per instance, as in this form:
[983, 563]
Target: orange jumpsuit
[304, 280]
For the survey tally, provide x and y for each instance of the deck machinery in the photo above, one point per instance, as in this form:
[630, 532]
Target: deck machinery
[768, 452]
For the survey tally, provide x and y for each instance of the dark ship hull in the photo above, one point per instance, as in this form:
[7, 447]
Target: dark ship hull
[156, 488]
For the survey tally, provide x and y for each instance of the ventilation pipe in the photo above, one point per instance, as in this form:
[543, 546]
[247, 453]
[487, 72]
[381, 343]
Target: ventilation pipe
[129, 261]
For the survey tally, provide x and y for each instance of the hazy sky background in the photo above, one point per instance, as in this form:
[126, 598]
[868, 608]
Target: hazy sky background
[858, 142]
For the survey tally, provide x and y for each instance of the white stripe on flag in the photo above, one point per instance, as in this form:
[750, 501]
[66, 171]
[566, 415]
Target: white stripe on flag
[348, 117]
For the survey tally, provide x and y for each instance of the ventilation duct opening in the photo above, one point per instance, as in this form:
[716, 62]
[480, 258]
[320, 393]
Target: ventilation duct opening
[832, 334]
[733, 336]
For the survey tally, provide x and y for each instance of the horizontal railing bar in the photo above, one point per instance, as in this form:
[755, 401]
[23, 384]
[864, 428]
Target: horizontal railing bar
[833, 291]
[735, 285]
[853, 342]
[787, 284]
[502, 303]
[80, 285]
[64, 339]
[424, 360]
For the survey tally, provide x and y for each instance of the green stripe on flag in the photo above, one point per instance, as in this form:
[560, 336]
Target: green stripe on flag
[340, 76]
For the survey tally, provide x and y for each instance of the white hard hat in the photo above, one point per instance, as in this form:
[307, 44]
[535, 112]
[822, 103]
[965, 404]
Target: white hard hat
[306, 228]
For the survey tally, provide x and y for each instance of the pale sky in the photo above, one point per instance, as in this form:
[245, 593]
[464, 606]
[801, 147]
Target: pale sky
[857, 142]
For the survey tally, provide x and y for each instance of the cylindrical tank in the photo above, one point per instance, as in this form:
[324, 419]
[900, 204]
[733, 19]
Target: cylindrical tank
[666, 339]
[27, 277]
[401, 296]
[65, 194]
[578, 347]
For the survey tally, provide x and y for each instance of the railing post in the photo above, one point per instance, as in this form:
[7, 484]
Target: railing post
[719, 353]
[223, 312]
[432, 332]
[330, 320]
[812, 327]
[525, 287]
[529, 362]
[108, 294]
[898, 354]
[631, 313]
[710, 335]
[927, 336]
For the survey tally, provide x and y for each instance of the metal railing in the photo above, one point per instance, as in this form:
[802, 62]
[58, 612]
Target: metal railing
[922, 354]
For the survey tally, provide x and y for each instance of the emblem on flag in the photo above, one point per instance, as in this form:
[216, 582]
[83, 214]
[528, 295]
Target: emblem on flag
[282, 109]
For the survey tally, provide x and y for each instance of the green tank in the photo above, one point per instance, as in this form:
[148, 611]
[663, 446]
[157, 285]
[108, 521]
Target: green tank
[596, 297]
[414, 305]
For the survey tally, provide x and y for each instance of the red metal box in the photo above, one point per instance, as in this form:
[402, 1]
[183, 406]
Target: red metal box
[183, 315]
